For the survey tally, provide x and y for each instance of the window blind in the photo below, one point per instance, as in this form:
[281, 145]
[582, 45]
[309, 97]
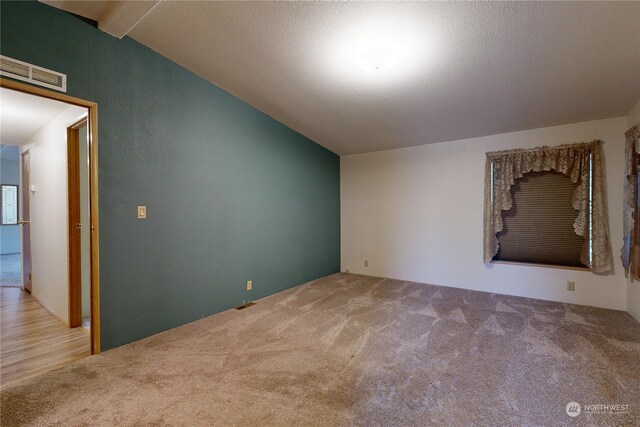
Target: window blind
[539, 226]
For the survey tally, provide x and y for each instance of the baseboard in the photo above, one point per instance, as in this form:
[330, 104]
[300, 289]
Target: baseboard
[50, 310]
[490, 291]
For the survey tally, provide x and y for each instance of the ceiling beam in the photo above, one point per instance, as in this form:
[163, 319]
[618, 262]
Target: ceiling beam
[124, 16]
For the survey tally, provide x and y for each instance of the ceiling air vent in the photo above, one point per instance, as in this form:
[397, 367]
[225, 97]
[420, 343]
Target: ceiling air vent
[32, 73]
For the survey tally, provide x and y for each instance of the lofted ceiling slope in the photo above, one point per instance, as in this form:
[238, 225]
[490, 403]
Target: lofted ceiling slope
[465, 69]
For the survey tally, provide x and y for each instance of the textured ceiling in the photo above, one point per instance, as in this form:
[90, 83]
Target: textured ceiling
[22, 115]
[464, 69]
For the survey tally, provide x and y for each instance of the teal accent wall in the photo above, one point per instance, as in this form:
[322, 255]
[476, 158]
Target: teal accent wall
[231, 194]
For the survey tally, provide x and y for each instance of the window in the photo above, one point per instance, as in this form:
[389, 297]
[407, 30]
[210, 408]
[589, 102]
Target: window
[636, 233]
[9, 204]
[547, 205]
[631, 204]
[539, 226]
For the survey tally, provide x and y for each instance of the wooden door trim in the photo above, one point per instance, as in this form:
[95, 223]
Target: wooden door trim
[74, 236]
[25, 194]
[80, 123]
[93, 193]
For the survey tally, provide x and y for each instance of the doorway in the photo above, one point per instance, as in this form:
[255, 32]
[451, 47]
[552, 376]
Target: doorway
[10, 246]
[77, 194]
[79, 230]
[26, 226]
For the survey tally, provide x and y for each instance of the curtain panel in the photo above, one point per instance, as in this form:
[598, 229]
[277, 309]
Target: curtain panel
[630, 200]
[583, 164]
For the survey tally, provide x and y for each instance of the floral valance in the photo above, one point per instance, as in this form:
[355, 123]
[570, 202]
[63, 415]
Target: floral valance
[630, 198]
[580, 162]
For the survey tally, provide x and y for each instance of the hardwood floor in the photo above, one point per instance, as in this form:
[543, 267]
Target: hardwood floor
[32, 340]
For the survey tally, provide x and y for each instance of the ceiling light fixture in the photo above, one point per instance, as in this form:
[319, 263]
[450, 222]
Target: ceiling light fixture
[378, 59]
[382, 49]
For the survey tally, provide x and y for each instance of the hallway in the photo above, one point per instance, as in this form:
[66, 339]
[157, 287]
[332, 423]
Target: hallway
[32, 340]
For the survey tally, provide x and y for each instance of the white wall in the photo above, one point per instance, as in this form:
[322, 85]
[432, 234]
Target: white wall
[417, 213]
[634, 115]
[49, 213]
[633, 287]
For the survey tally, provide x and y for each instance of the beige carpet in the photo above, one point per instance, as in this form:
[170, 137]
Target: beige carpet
[354, 350]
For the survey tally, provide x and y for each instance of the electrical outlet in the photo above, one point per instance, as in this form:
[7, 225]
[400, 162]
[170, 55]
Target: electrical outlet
[366, 263]
[571, 286]
[249, 285]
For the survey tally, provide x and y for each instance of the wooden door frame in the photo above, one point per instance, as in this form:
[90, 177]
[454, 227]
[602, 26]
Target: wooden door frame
[75, 241]
[92, 123]
[25, 194]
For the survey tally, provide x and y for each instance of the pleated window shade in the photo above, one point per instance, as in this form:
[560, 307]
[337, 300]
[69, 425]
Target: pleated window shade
[539, 226]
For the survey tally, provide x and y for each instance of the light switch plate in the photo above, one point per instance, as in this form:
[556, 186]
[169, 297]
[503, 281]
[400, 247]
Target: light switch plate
[142, 212]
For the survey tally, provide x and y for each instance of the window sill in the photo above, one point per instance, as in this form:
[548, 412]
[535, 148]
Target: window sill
[530, 264]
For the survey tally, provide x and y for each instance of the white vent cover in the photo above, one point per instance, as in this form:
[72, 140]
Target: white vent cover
[32, 73]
